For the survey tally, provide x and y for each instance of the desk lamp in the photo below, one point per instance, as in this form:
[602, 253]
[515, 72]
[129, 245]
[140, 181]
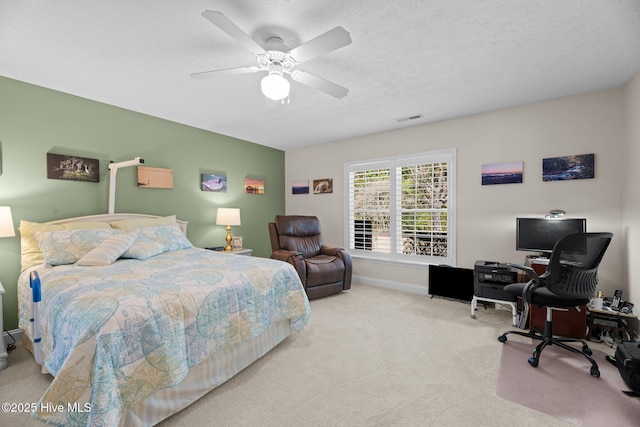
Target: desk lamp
[228, 217]
[555, 214]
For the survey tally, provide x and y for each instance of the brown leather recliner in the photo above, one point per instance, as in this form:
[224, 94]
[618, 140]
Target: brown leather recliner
[323, 270]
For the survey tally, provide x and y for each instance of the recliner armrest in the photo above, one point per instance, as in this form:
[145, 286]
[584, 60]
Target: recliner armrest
[346, 260]
[329, 250]
[284, 255]
[295, 259]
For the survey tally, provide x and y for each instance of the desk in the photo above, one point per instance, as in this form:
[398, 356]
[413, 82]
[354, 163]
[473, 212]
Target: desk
[569, 323]
[566, 323]
[623, 320]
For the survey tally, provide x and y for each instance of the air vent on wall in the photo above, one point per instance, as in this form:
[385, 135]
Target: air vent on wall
[406, 119]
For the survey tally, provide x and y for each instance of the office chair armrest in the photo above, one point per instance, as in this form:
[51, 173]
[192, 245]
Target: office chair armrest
[530, 271]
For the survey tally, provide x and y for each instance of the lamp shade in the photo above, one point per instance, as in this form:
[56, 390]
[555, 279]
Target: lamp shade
[6, 222]
[275, 86]
[228, 216]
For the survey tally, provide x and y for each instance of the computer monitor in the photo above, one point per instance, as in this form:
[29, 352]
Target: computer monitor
[541, 234]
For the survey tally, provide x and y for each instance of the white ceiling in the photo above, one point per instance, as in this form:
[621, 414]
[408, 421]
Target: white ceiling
[439, 58]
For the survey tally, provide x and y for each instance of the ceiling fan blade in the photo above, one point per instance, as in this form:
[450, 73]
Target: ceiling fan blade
[319, 83]
[222, 22]
[225, 72]
[324, 43]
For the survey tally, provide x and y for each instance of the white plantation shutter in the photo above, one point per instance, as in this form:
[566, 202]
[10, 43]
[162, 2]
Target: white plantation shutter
[401, 209]
[370, 207]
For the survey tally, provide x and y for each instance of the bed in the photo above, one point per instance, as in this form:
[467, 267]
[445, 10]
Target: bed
[133, 338]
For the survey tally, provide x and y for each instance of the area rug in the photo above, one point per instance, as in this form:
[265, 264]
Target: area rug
[561, 386]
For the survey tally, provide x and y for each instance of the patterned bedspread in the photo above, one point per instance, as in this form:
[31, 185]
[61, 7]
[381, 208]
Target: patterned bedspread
[113, 335]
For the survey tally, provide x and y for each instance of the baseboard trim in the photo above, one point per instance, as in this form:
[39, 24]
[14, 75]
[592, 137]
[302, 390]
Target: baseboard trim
[15, 333]
[387, 284]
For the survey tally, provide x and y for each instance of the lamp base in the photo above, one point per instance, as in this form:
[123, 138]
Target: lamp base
[228, 239]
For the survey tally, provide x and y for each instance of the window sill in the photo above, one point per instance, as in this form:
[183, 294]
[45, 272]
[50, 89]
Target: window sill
[384, 260]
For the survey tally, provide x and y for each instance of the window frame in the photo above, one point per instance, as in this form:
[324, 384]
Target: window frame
[435, 156]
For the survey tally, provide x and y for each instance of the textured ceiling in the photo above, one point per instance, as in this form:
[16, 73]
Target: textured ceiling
[440, 58]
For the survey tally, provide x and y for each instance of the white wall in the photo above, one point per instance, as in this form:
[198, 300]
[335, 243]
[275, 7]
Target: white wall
[592, 123]
[631, 190]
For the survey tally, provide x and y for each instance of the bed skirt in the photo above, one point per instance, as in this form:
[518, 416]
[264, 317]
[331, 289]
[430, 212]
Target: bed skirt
[200, 379]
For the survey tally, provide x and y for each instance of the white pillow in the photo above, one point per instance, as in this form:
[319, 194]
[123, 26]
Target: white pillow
[170, 237]
[109, 250]
[68, 246]
[143, 250]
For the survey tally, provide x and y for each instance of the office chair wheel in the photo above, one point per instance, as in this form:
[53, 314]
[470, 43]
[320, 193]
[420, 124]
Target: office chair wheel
[534, 362]
[595, 372]
[502, 338]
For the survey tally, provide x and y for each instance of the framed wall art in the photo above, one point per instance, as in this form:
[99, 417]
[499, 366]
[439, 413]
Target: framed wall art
[72, 168]
[213, 183]
[581, 166]
[300, 187]
[502, 173]
[322, 186]
[253, 186]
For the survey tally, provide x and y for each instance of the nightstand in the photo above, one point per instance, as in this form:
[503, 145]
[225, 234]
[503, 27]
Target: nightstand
[243, 251]
[3, 348]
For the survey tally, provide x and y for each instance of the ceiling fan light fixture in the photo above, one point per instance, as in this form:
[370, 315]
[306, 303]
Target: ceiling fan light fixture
[275, 86]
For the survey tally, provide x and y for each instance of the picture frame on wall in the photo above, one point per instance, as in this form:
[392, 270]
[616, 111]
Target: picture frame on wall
[502, 173]
[323, 186]
[72, 168]
[300, 186]
[213, 183]
[254, 186]
[581, 166]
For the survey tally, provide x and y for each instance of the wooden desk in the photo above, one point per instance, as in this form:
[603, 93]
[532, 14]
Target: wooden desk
[570, 323]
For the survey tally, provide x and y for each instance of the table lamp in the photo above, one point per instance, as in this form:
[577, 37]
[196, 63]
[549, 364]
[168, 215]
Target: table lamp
[228, 217]
[6, 222]
[6, 230]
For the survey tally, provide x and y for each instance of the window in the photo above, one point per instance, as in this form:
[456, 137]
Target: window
[401, 209]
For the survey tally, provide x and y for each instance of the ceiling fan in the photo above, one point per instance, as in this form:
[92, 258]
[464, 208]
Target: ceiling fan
[277, 59]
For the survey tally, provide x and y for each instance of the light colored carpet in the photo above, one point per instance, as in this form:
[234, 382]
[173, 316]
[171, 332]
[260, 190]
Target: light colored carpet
[586, 400]
[367, 357]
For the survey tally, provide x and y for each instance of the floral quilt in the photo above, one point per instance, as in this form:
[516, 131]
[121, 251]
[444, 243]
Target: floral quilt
[113, 335]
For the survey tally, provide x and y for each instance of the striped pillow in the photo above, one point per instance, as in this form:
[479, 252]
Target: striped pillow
[109, 250]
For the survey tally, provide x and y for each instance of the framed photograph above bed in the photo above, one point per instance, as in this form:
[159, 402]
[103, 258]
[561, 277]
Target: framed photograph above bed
[72, 168]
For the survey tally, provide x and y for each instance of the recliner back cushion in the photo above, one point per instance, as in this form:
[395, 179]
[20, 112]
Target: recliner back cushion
[300, 234]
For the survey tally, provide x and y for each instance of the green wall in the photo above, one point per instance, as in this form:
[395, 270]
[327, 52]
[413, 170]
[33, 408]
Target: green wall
[35, 121]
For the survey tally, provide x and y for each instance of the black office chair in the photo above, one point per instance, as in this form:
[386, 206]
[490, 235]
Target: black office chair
[569, 282]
